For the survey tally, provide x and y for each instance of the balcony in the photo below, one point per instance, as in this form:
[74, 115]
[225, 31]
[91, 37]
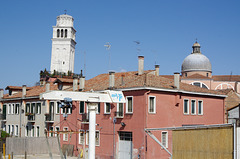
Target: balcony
[3, 117]
[119, 114]
[85, 118]
[30, 117]
[49, 118]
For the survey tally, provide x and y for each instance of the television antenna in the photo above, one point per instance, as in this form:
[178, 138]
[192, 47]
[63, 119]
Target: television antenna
[138, 49]
[108, 46]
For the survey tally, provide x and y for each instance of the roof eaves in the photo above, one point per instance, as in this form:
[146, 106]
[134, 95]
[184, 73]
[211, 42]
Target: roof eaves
[172, 90]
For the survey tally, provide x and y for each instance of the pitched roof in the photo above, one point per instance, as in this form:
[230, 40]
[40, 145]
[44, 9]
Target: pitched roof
[16, 88]
[131, 79]
[232, 100]
[32, 92]
[196, 76]
[226, 77]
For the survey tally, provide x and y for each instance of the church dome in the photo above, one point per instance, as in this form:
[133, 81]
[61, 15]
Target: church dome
[196, 61]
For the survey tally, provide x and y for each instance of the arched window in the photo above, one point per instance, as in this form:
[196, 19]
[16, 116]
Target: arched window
[200, 84]
[58, 33]
[224, 86]
[62, 33]
[65, 33]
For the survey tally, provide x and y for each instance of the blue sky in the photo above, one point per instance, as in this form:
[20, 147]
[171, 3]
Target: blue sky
[166, 30]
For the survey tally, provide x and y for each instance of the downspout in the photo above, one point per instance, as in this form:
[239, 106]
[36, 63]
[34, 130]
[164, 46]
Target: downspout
[146, 111]
[234, 140]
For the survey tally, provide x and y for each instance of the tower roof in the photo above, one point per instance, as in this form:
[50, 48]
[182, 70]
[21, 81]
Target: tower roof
[65, 20]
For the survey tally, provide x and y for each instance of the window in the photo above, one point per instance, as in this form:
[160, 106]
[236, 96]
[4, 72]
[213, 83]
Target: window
[26, 131]
[57, 129]
[51, 131]
[186, 106]
[58, 107]
[65, 135]
[107, 108]
[33, 108]
[98, 108]
[4, 127]
[9, 108]
[13, 109]
[58, 33]
[38, 131]
[200, 84]
[69, 110]
[81, 137]
[17, 108]
[126, 136]
[119, 112]
[16, 130]
[97, 138]
[193, 106]
[12, 131]
[33, 130]
[129, 105]
[39, 108]
[200, 107]
[9, 129]
[65, 33]
[27, 108]
[165, 139]
[152, 104]
[61, 33]
[81, 107]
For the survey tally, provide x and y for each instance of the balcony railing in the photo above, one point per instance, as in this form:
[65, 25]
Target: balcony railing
[49, 117]
[30, 117]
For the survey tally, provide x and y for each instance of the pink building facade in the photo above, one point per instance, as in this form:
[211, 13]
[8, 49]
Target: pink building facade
[148, 106]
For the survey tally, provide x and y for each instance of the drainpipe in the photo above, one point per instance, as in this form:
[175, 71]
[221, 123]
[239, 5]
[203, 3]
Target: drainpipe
[156, 70]
[111, 80]
[234, 140]
[24, 92]
[176, 79]
[140, 65]
[82, 83]
[75, 84]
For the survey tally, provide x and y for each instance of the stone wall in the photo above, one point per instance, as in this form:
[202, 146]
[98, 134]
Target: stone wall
[31, 145]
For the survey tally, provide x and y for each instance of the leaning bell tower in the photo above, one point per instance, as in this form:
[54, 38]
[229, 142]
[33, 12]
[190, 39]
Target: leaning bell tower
[63, 45]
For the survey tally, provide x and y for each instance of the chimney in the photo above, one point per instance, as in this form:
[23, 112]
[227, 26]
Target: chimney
[47, 86]
[24, 91]
[75, 84]
[156, 70]
[140, 65]
[236, 86]
[176, 79]
[82, 83]
[1, 93]
[111, 79]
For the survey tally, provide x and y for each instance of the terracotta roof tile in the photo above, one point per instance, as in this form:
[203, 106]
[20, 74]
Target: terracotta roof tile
[130, 79]
[196, 76]
[226, 77]
[33, 91]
